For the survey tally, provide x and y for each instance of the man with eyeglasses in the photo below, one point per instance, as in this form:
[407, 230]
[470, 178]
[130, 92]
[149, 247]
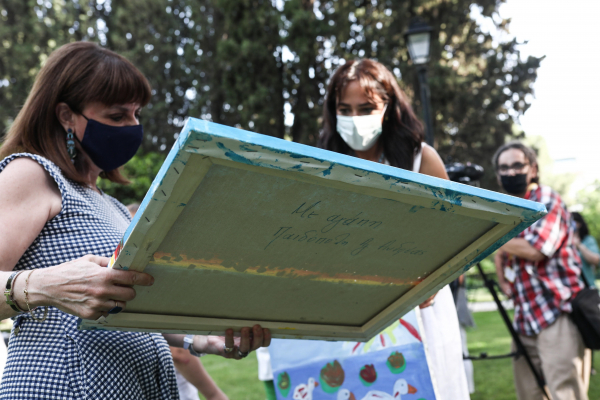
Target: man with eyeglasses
[540, 270]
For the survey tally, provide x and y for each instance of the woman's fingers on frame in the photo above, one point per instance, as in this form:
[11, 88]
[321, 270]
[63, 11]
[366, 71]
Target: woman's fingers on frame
[257, 337]
[121, 293]
[101, 261]
[88, 313]
[130, 278]
[244, 340]
[102, 307]
[115, 306]
[111, 292]
[230, 348]
[266, 337]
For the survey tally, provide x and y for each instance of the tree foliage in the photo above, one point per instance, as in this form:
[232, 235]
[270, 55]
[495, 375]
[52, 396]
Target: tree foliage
[140, 171]
[255, 63]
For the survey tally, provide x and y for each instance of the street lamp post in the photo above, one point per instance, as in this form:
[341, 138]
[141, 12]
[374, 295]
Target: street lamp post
[418, 38]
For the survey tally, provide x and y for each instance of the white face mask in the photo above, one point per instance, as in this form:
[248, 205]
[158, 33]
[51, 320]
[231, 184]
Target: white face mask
[360, 133]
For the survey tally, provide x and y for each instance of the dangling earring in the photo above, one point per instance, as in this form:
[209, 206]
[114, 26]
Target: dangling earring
[71, 145]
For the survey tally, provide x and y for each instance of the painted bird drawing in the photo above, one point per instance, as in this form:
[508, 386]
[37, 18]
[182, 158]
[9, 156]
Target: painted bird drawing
[304, 391]
[401, 387]
[345, 394]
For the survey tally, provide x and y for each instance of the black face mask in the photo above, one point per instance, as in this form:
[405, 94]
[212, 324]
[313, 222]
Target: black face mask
[514, 184]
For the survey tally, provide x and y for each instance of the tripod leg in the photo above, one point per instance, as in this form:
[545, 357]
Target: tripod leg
[516, 339]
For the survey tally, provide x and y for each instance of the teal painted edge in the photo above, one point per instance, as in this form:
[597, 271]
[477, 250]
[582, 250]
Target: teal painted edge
[533, 210]
[498, 243]
[173, 153]
[296, 150]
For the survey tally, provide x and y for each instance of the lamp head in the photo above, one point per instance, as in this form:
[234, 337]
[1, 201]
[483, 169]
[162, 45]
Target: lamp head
[418, 39]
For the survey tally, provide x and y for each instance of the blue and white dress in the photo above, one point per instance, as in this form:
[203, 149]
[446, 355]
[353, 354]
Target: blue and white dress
[55, 360]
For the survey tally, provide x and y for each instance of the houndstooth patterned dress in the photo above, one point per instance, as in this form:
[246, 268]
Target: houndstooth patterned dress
[55, 360]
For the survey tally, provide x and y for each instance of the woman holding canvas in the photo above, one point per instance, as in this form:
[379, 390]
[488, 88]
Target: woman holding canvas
[367, 115]
[80, 120]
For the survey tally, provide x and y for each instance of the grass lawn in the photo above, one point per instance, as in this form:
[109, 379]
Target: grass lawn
[493, 378]
[238, 379]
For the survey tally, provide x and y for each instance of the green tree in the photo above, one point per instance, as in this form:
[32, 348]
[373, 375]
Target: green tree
[30, 32]
[141, 171]
[244, 62]
[479, 87]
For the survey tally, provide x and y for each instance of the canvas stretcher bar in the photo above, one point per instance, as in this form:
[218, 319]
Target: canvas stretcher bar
[240, 228]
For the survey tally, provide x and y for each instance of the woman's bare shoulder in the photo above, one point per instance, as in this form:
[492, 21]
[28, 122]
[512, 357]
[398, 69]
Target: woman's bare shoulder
[29, 198]
[429, 151]
[432, 164]
[25, 182]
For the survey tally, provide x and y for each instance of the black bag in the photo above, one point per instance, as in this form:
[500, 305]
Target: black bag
[586, 315]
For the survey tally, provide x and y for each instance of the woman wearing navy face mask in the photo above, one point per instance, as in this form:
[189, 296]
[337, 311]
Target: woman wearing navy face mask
[81, 120]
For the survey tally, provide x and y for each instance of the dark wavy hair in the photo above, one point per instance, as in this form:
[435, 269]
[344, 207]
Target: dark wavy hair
[583, 230]
[402, 131]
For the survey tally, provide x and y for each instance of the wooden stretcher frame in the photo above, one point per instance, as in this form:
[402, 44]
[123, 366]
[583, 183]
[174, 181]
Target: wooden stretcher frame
[203, 145]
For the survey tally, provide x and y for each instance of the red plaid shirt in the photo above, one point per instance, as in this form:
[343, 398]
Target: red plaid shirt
[542, 290]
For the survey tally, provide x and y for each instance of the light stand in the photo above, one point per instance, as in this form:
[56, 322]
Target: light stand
[418, 38]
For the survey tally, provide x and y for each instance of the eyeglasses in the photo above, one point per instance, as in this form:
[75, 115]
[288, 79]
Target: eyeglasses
[518, 167]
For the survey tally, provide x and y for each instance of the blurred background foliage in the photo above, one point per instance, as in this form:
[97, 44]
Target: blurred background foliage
[140, 171]
[589, 201]
[263, 65]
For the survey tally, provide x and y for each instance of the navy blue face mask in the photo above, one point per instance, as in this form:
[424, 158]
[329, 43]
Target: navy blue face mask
[109, 146]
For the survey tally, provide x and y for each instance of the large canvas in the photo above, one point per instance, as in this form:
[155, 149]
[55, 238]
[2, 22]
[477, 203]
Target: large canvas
[240, 228]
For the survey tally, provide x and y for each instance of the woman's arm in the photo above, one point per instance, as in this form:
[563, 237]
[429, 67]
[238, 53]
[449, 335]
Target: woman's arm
[589, 256]
[29, 198]
[431, 163]
[193, 371]
[523, 249]
[250, 339]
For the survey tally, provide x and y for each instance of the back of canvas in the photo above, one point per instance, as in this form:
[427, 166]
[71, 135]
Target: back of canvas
[257, 246]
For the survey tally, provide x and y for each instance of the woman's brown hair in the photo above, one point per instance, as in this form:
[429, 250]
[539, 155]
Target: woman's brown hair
[402, 131]
[77, 74]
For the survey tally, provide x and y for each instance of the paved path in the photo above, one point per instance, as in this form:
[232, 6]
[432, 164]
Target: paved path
[489, 306]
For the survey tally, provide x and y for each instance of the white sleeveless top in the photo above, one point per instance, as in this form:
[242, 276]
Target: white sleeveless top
[442, 334]
[416, 161]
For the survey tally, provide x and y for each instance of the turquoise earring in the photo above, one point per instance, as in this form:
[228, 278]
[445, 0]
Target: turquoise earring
[71, 145]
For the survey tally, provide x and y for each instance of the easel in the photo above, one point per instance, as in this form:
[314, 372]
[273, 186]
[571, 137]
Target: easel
[521, 351]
